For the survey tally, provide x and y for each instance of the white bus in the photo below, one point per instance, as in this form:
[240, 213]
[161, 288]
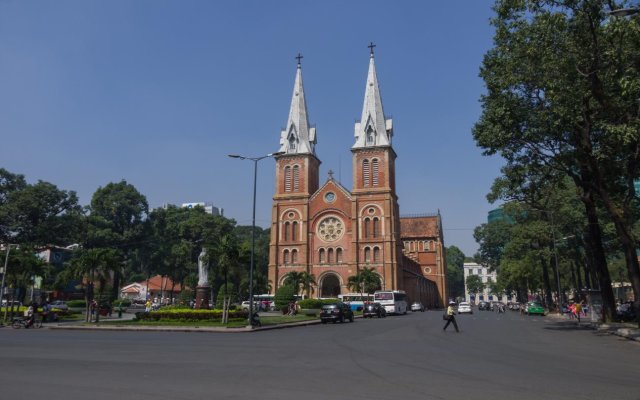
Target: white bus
[356, 300]
[393, 301]
[264, 302]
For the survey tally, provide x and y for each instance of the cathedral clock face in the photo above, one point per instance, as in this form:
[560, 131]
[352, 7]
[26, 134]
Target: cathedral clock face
[330, 197]
[330, 229]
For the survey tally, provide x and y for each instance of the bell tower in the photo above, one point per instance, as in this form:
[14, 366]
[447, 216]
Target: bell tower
[297, 179]
[375, 210]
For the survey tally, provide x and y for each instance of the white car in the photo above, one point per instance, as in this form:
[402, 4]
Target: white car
[417, 306]
[464, 307]
[58, 305]
[245, 305]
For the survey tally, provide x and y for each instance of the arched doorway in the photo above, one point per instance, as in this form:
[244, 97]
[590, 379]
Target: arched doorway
[330, 286]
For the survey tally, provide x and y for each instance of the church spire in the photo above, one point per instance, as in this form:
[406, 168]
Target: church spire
[298, 137]
[373, 129]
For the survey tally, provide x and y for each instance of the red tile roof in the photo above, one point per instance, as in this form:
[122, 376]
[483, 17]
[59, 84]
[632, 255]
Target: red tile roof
[158, 283]
[419, 227]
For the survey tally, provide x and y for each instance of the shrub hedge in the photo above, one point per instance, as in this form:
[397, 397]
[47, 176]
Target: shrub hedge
[76, 303]
[188, 315]
[315, 303]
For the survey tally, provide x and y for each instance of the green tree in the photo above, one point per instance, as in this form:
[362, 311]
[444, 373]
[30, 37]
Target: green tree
[116, 221]
[365, 281]
[455, 271]
[308, 283]
[93, 267]
[294, 279]
[562, 82]
[475, 284]
[285, 294]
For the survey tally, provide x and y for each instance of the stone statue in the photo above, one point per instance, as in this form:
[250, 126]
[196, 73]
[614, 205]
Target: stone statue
[203, 269]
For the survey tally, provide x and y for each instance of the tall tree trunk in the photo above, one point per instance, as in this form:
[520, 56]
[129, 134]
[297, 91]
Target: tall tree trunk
[546, 283]
[594, 242]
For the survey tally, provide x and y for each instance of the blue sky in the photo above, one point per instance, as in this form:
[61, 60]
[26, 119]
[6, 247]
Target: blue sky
[159, 92]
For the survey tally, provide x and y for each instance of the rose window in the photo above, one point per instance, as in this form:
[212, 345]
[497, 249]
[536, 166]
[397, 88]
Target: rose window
[330, 229]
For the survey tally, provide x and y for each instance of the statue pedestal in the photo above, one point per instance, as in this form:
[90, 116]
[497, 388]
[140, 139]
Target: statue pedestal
[202, 297]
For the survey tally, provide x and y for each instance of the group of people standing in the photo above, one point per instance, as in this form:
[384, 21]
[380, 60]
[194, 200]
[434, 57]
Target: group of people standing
[576, 310]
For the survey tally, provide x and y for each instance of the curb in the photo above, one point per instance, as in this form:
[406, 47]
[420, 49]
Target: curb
[203, 329]
[625, 332]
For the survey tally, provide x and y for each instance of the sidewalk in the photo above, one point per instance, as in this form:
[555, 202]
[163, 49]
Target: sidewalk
[623, 329]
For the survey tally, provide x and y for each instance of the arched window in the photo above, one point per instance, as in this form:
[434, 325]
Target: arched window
[287, 178]
[321, 256]
[292, 142]
[294, 231]
[296, 178]
[338, 256]
[330, 256]
[376, 227]
[286, 231]
[374, 171]
[370, 136]
[367, 254]
[376, 254]
[365, 173]
[285, 257]
[367, 228]
[294, 256]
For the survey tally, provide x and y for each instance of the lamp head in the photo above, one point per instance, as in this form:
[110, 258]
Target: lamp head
[624, 12]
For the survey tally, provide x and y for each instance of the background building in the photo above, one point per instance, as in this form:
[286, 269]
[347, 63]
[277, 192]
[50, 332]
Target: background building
[486, 276]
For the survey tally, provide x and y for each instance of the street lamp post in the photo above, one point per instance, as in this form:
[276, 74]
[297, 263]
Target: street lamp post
[4, 274]
[253, 223]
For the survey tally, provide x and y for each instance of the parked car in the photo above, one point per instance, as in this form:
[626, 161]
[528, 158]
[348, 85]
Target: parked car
[58, 305]
[464, 308]
[483, 306]
[374, 310]
[534, 308]
[245, 305]
[335, 312]
[417, 306]
[15, 303]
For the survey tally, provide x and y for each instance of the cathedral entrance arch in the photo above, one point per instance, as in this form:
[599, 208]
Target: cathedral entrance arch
[330, 285]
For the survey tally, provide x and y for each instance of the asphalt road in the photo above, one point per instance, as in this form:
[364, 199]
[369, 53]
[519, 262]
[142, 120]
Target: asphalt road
[400, 357]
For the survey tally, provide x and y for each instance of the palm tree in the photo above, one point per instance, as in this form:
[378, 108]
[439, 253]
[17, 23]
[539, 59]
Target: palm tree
[308, 283]
[92, 265]
[226, 254]
[295, 279]
[366, 280]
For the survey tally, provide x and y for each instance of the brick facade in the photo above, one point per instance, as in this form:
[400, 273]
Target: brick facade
[332, 232]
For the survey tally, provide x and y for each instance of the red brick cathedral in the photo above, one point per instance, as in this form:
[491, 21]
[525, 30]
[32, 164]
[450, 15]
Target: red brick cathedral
[332, 232]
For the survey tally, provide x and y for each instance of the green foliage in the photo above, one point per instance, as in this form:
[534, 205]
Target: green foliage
[455, 271]
[366, 281]
[284, 295]
[181, 314]
[475, 284]
[310, 303]
[563, 83]
[76, 303]
[231, 292]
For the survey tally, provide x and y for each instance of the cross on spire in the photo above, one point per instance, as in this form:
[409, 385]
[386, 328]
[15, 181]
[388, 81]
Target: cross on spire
[371, 46]
[330, 174]
[299, 57]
